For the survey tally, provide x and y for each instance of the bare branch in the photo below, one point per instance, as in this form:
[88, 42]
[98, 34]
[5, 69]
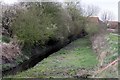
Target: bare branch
[107, 16]
[90, 10]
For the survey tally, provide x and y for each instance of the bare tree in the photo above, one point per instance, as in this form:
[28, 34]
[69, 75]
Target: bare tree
[90, 10]
[107, 16]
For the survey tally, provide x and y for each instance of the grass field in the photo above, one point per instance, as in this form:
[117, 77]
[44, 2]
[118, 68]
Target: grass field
[113, 47]
[67, 62]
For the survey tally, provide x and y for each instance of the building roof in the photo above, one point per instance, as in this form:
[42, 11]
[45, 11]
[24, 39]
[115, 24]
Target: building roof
[94, 19]
[112, 24]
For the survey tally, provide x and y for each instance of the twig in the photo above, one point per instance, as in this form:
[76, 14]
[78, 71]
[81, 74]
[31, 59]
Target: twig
[112, 63]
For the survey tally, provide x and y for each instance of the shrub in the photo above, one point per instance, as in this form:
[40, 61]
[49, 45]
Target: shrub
[91, 28]
[43, 21]
[36, 24]
[76, 17]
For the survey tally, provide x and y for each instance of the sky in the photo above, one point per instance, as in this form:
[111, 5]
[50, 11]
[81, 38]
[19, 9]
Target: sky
[119, 12]
[104, 5]
[9, 1]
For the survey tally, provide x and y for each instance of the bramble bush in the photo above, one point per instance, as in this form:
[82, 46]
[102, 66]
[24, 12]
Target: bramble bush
[35, 24]
[43, 21]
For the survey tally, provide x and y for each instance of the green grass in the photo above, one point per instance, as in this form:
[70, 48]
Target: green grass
[64, 63]
[111, 72]
[113, 47]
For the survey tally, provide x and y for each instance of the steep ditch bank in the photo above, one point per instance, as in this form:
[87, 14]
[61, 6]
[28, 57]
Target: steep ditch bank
[76, 60]
[39, 56]
[106, 47]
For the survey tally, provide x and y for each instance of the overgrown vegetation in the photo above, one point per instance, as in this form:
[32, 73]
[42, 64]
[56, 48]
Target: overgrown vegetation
[113, 43]
[37, 22]
[43, 21]
[111, 71]
[40, 23]
[5, 39]
[92, 28]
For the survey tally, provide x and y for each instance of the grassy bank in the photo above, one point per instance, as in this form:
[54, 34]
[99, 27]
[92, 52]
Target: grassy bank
[112, 71]
[67, 62]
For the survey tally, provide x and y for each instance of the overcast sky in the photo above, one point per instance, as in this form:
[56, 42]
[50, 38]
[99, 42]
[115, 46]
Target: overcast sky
[104, 5]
